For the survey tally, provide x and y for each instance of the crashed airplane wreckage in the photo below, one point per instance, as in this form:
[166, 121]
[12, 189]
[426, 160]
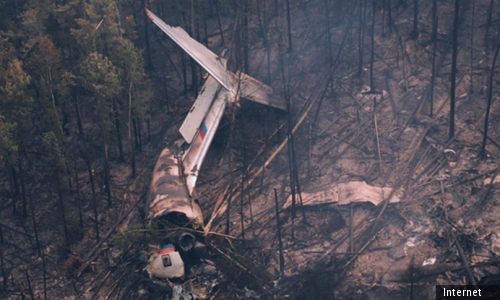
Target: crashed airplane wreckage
[174, 177]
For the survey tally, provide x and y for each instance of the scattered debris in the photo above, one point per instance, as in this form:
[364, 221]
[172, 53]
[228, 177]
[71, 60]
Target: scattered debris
[397, 253]
[178, 294]
[166, 263]
[345, 193]
[429, 261]
[248, 293]
[488, 180]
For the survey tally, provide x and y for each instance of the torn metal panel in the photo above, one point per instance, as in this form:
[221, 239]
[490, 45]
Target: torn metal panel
[166, 263]
[345, 193]
[168, 194]
[199, 110]
[194, 156]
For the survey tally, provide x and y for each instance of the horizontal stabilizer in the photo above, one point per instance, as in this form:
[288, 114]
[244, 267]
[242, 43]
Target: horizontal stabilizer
[254, 90]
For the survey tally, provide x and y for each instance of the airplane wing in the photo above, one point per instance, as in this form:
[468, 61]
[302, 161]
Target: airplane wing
[242, 84]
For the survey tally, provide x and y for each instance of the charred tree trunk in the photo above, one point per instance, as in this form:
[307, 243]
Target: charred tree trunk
[2, 260]
[433, 77]
[383, 17]
[29, 285]
[78, 199]
[361, 37]
[44, 268]
[148, 121]
[15, 187]
[246, 65]
[263, 28]
[242, 199]
[414, 33]
[139, 132]
[94, 198]
[488, 25]
[106, 172]
[118, 131]
[490, 96]
[205, 39]
[136, 138]
[23, 189]
[218, 21]
[328, 35]
[372, 54]
[146, 37]
[194, 75]
[78, 113]
[63, 218]
[454, 70]
[35, 227]
[184, 74]
[289, 23]
[130, 141]
[434, 21]
[390, 21]
[472, 46]
[280, 242]
[230, 163]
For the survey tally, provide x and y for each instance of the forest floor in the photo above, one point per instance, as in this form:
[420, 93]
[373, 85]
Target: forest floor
[444, 230]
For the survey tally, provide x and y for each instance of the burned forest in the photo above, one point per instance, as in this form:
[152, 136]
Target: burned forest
[318, 149]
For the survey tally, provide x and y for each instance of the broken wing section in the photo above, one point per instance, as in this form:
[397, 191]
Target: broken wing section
[194, 156]
[168, 196]
[212, 63]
